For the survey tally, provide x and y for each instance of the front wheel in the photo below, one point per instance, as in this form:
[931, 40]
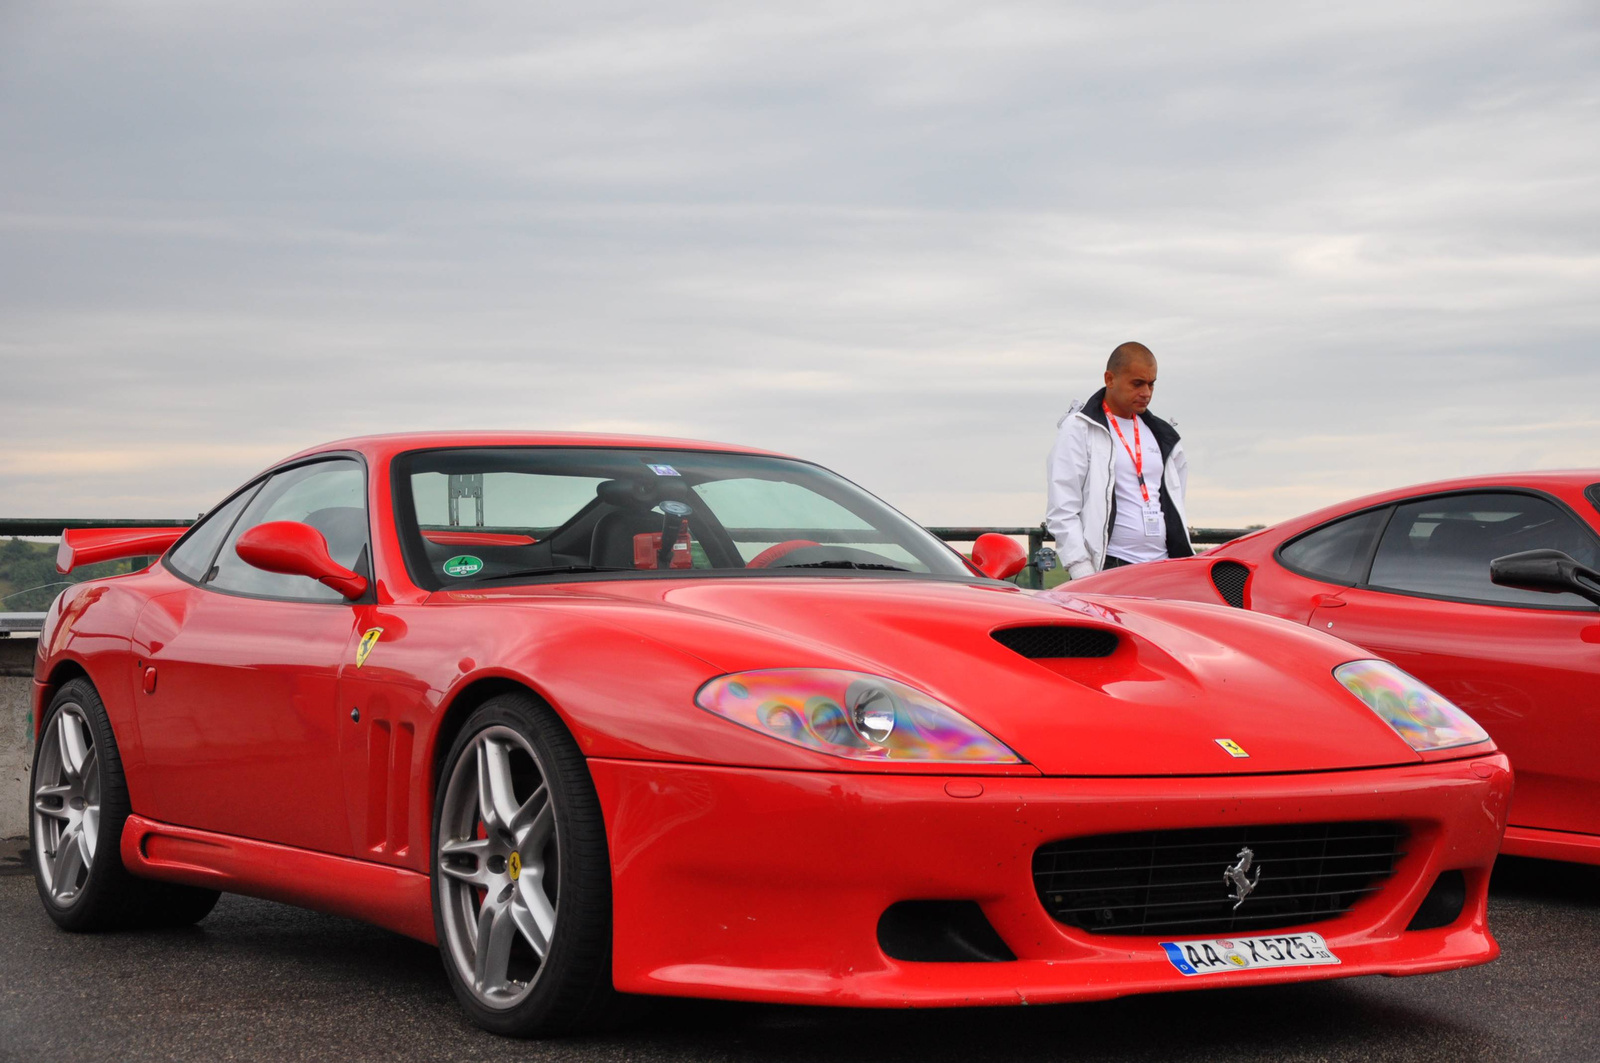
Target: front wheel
[521, 874]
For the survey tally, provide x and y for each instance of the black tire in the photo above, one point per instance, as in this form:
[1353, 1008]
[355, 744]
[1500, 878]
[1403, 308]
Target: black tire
[571, 991]
[108, 897]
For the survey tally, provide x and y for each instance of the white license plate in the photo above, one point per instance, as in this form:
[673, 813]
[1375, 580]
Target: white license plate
[1223, 955]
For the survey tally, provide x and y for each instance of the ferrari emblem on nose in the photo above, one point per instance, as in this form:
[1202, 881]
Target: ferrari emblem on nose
[1238, 876]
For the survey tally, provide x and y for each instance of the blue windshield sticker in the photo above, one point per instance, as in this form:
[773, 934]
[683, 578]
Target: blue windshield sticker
[663, 470]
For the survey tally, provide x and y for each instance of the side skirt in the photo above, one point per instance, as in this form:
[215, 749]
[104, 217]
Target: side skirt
[390, 897]
[1552, 845]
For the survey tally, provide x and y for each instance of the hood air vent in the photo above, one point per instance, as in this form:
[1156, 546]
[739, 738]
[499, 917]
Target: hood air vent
[1229, 577]
[1057, 640]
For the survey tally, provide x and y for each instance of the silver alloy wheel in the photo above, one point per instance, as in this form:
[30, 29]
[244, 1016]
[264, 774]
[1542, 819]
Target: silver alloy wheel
[66, 804]
[498, 860]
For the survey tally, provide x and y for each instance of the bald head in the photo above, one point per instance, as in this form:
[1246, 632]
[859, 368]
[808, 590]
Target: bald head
[1126, 354]
[1130, 379]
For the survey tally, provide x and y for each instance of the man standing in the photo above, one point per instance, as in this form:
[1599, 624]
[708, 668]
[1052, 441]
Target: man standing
[1118, 474]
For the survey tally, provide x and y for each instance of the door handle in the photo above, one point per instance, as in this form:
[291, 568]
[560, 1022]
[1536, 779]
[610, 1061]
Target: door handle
[1327, 601]
[150, 680]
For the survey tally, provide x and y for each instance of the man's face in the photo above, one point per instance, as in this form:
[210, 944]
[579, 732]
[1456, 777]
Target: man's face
[1128, 393]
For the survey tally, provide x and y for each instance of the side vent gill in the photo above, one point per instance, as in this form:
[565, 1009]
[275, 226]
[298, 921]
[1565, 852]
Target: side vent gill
[1057, 640]
[1230, 577]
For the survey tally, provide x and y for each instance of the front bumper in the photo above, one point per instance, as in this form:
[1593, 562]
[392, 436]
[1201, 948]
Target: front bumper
[764, 885]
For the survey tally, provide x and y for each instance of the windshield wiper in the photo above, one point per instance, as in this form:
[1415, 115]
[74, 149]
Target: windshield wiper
[845, 564]
[551, 570]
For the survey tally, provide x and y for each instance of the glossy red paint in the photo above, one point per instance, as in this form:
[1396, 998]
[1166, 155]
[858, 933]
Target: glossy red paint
[814, 897]
[389, 897]
[271, 758]
[89, 546]
[998, 556]
[471, 538]
[1526, 673]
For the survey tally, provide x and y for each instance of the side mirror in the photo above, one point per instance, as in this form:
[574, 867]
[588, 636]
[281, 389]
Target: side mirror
[1546, 570]
[296, 549]
[998, 556]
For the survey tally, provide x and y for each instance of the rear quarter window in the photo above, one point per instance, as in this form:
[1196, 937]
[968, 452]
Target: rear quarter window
[1336, 552]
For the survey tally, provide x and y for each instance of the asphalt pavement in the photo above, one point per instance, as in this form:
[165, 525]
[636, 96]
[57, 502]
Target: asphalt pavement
[264, 981]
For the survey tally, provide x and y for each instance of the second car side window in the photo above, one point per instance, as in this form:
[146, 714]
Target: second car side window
[1336, 552]
[1442, 546]
[331, 496]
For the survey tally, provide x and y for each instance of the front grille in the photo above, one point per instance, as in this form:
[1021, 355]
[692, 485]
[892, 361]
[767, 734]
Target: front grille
[1057, 640]
[1173, 881]
[1229, 577]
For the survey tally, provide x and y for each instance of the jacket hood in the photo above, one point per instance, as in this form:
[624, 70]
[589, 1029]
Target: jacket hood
[1182, 677]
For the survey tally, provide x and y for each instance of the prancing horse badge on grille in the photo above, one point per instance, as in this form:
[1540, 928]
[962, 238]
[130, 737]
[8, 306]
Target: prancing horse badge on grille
[1238, 876]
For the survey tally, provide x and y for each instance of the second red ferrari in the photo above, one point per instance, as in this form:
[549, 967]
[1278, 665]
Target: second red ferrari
[1486, 589]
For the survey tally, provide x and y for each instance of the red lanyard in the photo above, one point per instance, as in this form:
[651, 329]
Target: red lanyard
[1135, 453]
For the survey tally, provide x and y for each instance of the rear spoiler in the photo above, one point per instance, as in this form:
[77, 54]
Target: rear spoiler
[87, 546]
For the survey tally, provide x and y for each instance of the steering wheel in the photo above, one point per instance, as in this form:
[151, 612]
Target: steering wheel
[774, 552]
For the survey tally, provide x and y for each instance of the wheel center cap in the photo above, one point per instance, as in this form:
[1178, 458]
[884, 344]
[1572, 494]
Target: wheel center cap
[514, 865]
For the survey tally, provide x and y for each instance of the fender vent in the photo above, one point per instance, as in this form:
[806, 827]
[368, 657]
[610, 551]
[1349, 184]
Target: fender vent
[1230, 577]
[1057, 640]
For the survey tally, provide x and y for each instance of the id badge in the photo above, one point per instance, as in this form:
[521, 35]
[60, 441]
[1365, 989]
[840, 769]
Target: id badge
[1152, 521]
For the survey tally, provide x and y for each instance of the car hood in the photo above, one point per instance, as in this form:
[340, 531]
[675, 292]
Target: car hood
[1182, 678]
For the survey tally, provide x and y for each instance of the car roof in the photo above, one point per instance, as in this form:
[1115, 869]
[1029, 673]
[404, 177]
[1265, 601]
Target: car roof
[382, 447]
[1564, 483]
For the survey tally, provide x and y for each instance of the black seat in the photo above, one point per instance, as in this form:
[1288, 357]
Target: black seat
[611, 544]
[345, 529]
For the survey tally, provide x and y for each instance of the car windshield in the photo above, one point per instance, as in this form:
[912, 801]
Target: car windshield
[501, 515]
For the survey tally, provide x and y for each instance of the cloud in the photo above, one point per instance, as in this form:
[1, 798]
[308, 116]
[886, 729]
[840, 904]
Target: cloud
[895, 238]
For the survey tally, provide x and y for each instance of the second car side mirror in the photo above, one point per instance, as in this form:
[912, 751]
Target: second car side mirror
[296, 549]
[998, 556]
[1546, 570]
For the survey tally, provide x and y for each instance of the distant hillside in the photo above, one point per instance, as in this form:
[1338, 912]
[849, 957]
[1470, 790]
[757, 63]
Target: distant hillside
[29, 581]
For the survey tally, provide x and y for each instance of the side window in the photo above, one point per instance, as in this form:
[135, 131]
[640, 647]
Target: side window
[1335, 552]
[192, 557]
[1443, 546]
[331, 496]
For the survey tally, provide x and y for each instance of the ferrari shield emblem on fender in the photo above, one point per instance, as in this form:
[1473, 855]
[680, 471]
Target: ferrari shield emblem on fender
[369, 639]
[1238, 876]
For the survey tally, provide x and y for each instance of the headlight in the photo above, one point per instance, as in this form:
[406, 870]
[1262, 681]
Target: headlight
[851, 714]
[1417, 712]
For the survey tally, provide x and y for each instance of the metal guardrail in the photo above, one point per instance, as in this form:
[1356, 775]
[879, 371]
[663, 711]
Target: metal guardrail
[1037, 534]
[20, 624]
[52, 527]
[1033, 576]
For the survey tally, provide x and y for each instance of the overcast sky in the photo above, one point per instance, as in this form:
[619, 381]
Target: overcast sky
[1362, 238]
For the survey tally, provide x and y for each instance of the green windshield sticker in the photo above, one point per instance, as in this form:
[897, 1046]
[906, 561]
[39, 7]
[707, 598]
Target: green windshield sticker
[464, 565]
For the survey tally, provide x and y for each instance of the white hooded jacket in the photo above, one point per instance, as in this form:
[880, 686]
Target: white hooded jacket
[1082, 485]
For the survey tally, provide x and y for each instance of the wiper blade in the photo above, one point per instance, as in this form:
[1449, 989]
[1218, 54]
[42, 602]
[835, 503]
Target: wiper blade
[550, 570]
[845, 564]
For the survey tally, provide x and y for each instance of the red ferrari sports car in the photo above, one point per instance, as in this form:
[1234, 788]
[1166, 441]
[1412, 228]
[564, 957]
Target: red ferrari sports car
[601, 714]
[1485, 588]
